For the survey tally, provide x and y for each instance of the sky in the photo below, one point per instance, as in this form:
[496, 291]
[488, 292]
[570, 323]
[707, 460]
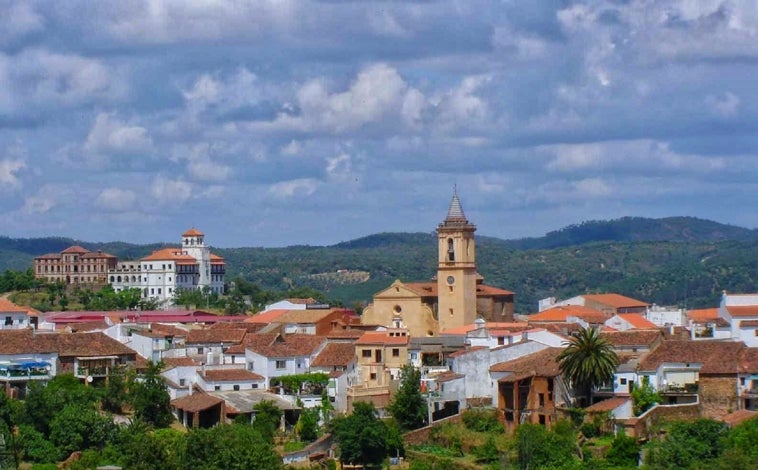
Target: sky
[281, 122]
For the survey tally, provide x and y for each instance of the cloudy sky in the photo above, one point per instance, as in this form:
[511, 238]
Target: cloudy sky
[279, 122]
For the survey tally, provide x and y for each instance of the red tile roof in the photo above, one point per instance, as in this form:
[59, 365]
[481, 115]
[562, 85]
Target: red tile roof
[717, 357]
[170, 254]
[703, 314]
[193, 232]
[75, 249]
[466, 351]
[638, 321]
[616, 300]
[65, 344]
[609, 404]
[561, 314]
[272, 345]
[737, 417]
[231, 375]
[25, 342]
[196, 402]
[218, 335]
[381, 337]
[541, 363]
[743, 311]
[335, 354]
[483, 290]
[6, 306]
[632, 338]
[171, 362]
[266, 317]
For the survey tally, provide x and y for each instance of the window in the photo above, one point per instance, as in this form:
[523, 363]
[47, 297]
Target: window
[372, 376]
[8, 320]
[182, 382]
[199, 349]
[622, 381]
[217, 387]
[501, 340]
[152, 291]
[366, 353]
[395, 352]
[281, 364]
[159, 291]
[250, 365]
[255, 385]
[541, 397]
[236, 388]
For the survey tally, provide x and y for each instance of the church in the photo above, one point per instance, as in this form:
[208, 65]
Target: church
[455, 297]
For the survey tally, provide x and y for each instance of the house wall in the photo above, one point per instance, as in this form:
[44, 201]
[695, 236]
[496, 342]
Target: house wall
[417, 317]
[267, 367]
[718, 395]
[475, 366]
[13, 320]
[749, 334]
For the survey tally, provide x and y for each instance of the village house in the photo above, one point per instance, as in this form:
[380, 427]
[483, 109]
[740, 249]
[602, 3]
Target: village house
[610, 304]
[703, 372]
[741, 311]
[15, 317]
[530, 389]
[705, 323]
[75, 266]
[380, 357]
[584, 316]
[630, 321]
[274, 355]
[338, 360]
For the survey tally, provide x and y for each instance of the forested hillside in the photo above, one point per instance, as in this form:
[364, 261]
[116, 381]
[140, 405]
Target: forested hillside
[682, 260]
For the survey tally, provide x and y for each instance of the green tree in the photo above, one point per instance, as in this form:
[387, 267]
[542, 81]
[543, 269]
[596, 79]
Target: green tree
[307, 424]
[267, 419]
[140, 449]
[150, 397]
[230, 447]
[588, 360]
[361, 436]
[540, 448]
[624, 452]
[35, 447]
[408, 406]
[114, 394]
[742, 439]
[644, 397]
[44, 402]
[77, 427]
[688, 443]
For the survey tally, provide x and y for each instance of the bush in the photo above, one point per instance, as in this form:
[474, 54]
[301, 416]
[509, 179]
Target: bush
[590, 430]
[482, 420]
[624, 452]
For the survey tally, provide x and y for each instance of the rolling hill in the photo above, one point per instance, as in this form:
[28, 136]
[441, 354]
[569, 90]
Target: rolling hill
[677, 260]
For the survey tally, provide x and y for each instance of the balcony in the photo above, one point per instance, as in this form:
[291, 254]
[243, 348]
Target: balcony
[20, 372]
[365, 391]
[747, 392]
[681, 389]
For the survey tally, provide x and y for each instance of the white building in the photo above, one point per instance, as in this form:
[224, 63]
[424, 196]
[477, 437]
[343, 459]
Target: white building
[162, 273]
[741, 311]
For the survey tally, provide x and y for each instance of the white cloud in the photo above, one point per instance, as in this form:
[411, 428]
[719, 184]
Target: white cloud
[9, 169]
[726, 105]
[462, 107]
[109, 135]
[200, 165]
[115, 199]
[166, 191]
[18, 19]
[301, 187]
[340, 168]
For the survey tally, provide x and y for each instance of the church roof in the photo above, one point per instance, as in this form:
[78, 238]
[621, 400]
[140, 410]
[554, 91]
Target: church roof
[193, 232]
[455, 213]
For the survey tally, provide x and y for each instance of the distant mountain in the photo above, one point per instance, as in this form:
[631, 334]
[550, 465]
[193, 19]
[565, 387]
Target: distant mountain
[676, 260]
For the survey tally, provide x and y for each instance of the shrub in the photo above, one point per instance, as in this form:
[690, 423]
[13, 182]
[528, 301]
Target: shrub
[482, 420]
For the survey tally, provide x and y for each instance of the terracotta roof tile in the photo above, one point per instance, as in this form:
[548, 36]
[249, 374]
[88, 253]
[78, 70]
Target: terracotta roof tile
[381, 337]
[249, 327]
[447, 376]
[638, 321]
[170, 254]
[717, 357]
[743, 311]
[266, 317]
[231, 375]
[335, 354]
[609, 404]
[632, 337]
[171, 362]
[75, 249]
[222, 335]
[541, 363]
[483, 290]
[196, 402]
[466, 351]
[6, 306]
[561, 314]
[273, 345]
[737, 417]
[25, 342]
[345, 334]
[193, 232]
[89, 345]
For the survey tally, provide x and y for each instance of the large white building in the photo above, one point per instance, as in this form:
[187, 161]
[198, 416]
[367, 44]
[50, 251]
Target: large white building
[159, 275]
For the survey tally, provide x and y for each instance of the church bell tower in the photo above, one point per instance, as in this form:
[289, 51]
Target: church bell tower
[456, 269]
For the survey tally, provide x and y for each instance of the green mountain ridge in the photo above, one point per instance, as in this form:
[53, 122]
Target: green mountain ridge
[677, 260]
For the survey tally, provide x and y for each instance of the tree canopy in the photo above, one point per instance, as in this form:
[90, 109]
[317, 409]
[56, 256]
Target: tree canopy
[408, 406]
[588, 360]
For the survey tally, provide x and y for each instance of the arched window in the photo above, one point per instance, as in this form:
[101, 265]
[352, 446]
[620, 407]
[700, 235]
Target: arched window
[118, 279]
[113, 279]
[450, 250]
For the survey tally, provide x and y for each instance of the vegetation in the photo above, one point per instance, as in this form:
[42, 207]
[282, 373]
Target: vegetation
[150, 397]
[408, 406]
[363, 438]
[683, 261]
[588, 360]
[644, 397]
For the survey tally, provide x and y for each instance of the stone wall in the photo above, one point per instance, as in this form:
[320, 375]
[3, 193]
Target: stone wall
[421, 435]
[718, 395]
[639, 427]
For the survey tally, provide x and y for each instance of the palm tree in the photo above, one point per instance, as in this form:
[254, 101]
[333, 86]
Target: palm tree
[588, 360]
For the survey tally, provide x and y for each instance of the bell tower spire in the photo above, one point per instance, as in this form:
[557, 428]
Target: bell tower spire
[456, 268]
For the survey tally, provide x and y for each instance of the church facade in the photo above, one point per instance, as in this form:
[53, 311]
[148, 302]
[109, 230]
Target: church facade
[457, 296]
